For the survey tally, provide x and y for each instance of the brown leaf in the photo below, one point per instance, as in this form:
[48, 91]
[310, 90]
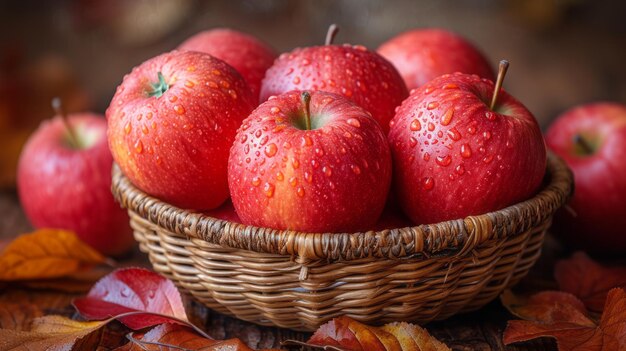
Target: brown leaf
[51, 333]
[608, 335]
[588, 280]
[547, 307]
[78, 282]
[134, 289]
[175, 337]
[346, 334]
[18, 316]
[45, 254]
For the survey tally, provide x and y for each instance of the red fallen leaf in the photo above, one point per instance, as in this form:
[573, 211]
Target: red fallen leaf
[547, 307]
[607, 335]
[346, 334]
[134, 289]
[588, 280]
[176, 337]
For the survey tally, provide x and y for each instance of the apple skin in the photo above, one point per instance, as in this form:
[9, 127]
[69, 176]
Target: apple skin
[421, 55]
[70, 188]
[333, 178]
[599, 201]
[175, 147]
[358, 74]
[245, 53]
[454, 157]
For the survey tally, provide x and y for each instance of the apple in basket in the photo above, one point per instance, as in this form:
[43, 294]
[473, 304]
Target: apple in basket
[172, 122]
[462, 147]
[358, 74]
[248, 55]
[421, 55]
[592, 140]
[64, 181]
[310, 161]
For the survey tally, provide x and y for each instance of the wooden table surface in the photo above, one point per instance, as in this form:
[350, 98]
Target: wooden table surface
[480, 330]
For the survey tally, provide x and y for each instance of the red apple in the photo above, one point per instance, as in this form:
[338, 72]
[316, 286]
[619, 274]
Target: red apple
[247, 54]
[454, 156]
[421, 55]
[592, 141]
[172, 122]
[225, 212]
[330, 176]
[356, 73]
[66, 184]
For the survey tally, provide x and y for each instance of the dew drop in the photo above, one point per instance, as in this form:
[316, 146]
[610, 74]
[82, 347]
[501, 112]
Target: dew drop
[431, 126]
[256, 181]
[138, 146]
[128, 127]
[432, 105]
[300, 191]
[308, 176]
[149, 115]
[173, 98]
[274, 110]
[428, 90]
[295, 163]
[466, 151]
[327, 171]
[224, 84]
[490, 115]
[179, 109]
[244, 138]
[471, 130]
[353, 122]
[412, 142]
[450, 86]
[447, 117]
[487, 135]
[286, 145]
[306, 141]
[415, 125]
[264, 140]
[428, 183]
[296, 80]
[144, 129]
[280, 176]
[258, 133]
[488, 159]
[268, 189]
[270, 150]
[356, 169]
[444, 161]
[460, 169]
[189, 84]
[293, 181]
[306, 62]
[426, 156]
[246, 148]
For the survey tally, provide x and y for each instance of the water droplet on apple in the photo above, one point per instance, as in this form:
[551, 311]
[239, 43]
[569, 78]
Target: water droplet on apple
[488, 159]
[308, 177]
[295, 163]
[274, 110]
[293, 181]
[428, 90]
[179, 109]
[138, 146]
[258, 133]
[487, 135]
[306, 141]
[224, 84]
[300, 191]
[450, 86]
[268, 189]
[447, 117]
[415, 125]
[432, 105]
[428, 183]
[280, 176]
[270, 150]
[353, 122]
[356, 169]
[128, 128]
[189, 84]
[431, 126]
[256, 181]
[248, 160]
[490, 115]
[471, 130]
[263, 140]
[412, 142]
[460, 169]
[443, 161]
[296, 80]
[327, 171]
[144, 129]
[426, 157]
[466, 151]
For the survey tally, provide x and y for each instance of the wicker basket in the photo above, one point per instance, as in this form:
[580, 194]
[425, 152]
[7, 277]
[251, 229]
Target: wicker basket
[301, 280]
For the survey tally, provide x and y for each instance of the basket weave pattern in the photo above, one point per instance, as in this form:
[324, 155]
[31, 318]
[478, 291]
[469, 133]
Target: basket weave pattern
[301, 280]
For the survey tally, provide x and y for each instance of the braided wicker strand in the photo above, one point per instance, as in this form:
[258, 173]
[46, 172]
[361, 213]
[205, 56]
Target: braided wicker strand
[301, 280]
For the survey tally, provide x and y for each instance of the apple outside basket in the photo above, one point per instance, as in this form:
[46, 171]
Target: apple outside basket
[301, 280]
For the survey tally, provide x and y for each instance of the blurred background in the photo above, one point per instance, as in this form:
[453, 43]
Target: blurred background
[562, 52]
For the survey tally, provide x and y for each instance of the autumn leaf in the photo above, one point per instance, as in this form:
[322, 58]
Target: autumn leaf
[18, 316]
[46, 254]
[346, 334]
[52, 333]
[547, 307]
[571, 331]
[175, 337]
[588, 280]
[78, 282]
[134, 289]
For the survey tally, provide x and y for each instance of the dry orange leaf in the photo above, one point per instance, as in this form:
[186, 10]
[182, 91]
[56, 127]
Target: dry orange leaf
[346, 334]
[571, 330]
[52, 333]
[176, 337]
[45, 254]
[588, 280]
[18, 316]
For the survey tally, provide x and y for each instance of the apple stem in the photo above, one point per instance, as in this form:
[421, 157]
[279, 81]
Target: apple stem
[306, 100]
[57, 106]
[159, 87]
[504, 66]
[583, 143]
[330, 35]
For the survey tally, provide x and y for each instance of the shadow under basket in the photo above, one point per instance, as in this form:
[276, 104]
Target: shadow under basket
[301, 280]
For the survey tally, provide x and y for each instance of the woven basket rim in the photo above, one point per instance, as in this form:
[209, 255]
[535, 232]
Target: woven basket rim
[448, 238]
